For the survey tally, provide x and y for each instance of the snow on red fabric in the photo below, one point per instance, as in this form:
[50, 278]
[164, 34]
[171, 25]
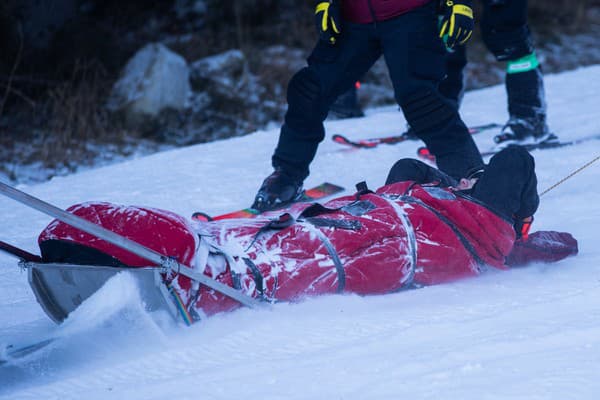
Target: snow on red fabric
[160, 230]
[376, 243]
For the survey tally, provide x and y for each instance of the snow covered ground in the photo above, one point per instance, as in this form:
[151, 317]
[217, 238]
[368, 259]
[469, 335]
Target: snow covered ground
[530, 333]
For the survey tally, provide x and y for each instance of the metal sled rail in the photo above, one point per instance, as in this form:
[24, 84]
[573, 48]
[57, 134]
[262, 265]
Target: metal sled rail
[167, 264]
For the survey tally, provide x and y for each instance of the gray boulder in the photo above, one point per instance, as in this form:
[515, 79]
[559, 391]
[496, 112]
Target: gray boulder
[154, 80]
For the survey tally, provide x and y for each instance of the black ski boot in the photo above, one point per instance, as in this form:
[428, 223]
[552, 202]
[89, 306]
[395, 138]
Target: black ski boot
[524, 131]
[277, 190]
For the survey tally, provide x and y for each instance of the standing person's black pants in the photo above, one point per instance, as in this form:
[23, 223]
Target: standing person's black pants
[415, 57]
[506, 34]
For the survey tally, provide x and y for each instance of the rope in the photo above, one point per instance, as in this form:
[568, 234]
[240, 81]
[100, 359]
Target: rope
[569, 176]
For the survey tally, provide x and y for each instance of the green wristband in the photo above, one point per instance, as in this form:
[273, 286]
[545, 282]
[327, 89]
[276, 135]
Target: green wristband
[523, 64]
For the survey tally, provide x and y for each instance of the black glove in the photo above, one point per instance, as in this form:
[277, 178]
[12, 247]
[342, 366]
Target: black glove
[457, 22]
[328, 18]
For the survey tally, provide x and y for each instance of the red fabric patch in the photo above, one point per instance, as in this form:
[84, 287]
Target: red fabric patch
[162, 231]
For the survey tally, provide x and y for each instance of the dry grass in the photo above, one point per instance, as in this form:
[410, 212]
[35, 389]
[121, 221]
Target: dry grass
[76, 114]
[64, 127]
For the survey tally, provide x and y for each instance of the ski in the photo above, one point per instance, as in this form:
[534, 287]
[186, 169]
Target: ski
[548, 145]
[371, 143]
[15, 353]
[424, 154]
[318, 192]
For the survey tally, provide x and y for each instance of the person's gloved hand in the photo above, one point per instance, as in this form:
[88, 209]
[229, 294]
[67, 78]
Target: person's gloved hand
[457, 22]
[329, 20]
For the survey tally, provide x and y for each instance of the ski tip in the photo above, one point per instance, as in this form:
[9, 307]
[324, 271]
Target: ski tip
[331, 186]
[361, 144]
[202, 217]
[339, 139]
[245, 213]
[480, 128]
[323, 190]
[10, 353]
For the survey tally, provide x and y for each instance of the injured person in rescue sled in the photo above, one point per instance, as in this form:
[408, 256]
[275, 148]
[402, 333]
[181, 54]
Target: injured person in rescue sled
[421, 228]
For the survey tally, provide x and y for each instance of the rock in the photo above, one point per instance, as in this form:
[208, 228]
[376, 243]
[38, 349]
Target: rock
[235, 95]
[223, 73]
[154, 80]
[227, 100]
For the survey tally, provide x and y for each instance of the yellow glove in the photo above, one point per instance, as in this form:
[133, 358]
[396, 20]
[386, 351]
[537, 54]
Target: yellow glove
[457, 22]
[329, 20]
